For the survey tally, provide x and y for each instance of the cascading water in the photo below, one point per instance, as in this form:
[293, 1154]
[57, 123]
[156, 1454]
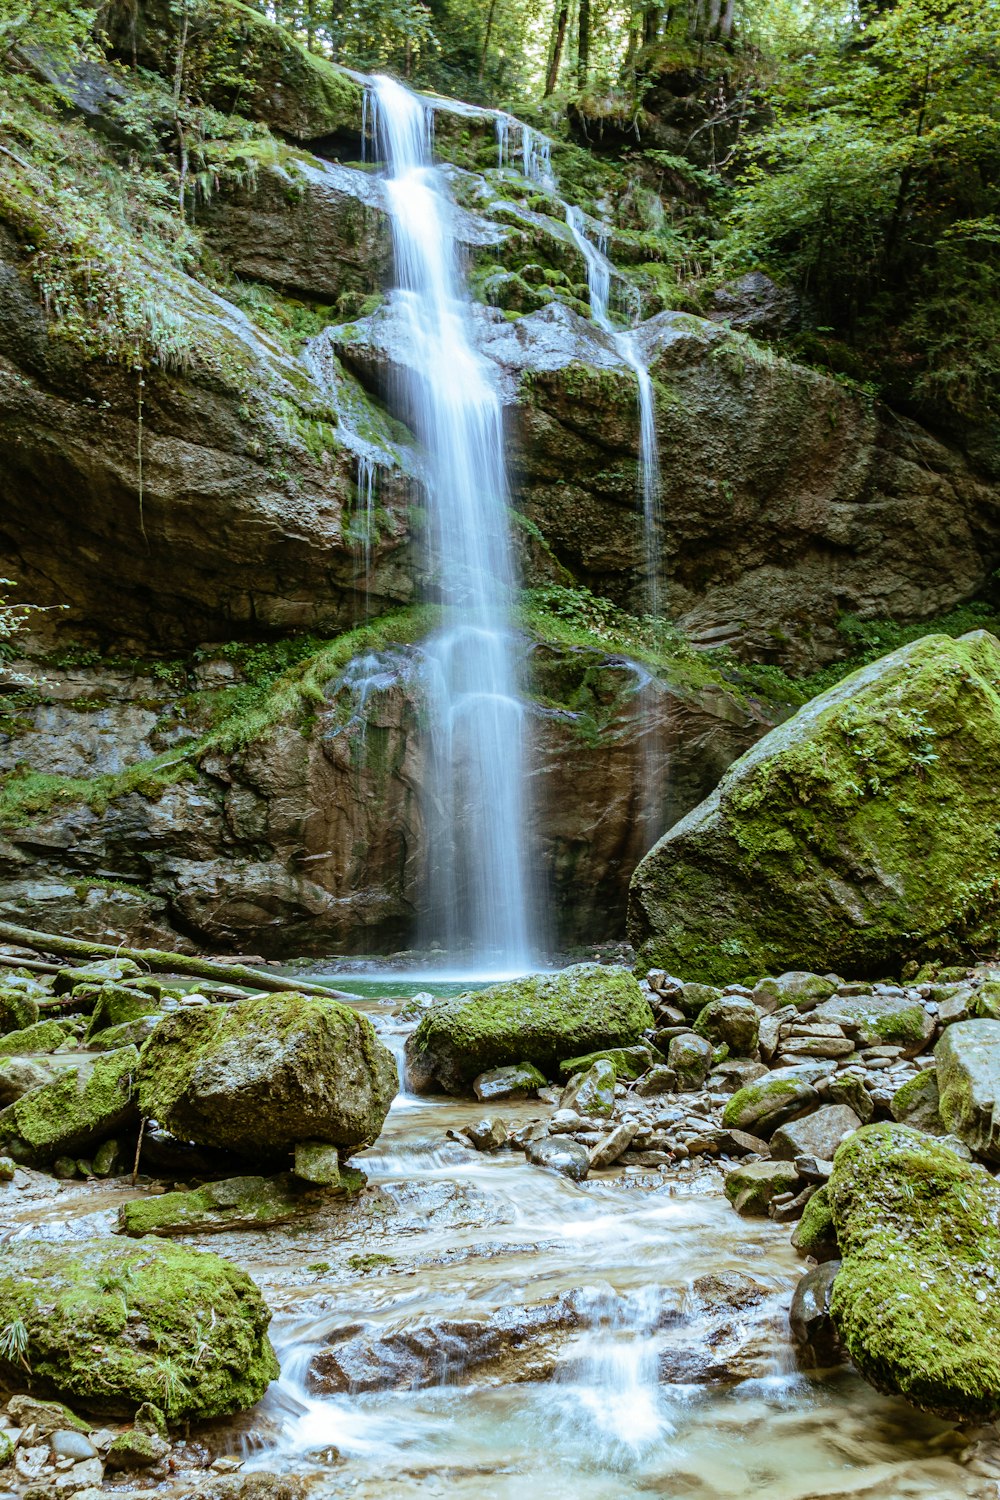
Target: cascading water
[479, 879]
[599, 271]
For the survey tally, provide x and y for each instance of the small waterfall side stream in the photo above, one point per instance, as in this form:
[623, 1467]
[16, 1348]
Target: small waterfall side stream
[479, 877]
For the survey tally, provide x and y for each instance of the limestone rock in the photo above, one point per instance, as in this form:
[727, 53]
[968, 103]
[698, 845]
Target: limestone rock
[562, 1155]
[848, 1088]
[730, 1021]
[544, 1018]
[804, 991]
[914, 1304]
[236, 1203]
[516, 1081]
[818, 1134]
[751, 1188]
[690, 1058]
[917, 1103]
[659, 1079]
[111, 1324]
[763, 1106]
[76, 1110]
[488, 1134]
[317, 1162]
[869, 819]
[877, 1020]
[592, 1092]
[258, 1076]
[968, 1079]
[613, 1146]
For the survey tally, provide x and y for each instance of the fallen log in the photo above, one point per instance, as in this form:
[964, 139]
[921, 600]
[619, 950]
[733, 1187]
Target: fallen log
[159, 961]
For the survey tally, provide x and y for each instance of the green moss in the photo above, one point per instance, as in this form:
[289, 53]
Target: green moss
[542, 1018]
[78, 1109]
[816, 1234]
[18, 1007]
[45, 1036]
[236, 1203]
[116, 1005]
[111, 1324]
[918, 1229]
[627, 1062]
[372, 1262]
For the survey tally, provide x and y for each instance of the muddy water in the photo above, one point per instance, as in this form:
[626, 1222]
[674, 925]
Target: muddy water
[502, 1330]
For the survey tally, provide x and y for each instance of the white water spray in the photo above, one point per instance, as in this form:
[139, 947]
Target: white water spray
[478, 878]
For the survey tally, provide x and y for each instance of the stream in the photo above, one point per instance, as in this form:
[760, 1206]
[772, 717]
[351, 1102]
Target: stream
[627, 1336]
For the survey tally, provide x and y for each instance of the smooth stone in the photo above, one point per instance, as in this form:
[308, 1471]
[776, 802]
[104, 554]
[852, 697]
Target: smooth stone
[813, 1330]
[690, 1058]
[763, 1106]
[562, 1155]
[591, 1092]
[968, 1076]
[751, 1188]
[881, 1020]
[818, 1135]
[660, 1079]
[515, 1081]
[488, 1134]
[607, 1151]
[917, 1103]
[65, 1442]
[317, 1162]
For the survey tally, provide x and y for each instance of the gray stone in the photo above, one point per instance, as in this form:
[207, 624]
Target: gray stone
[751, 1188]
[735, 1073]
[488, 1134]
[591, 1092]
[690, 1057]
[19, 1075]
[66, 1442]
[560, 1154]
[516, 1081]
[881, 1020]
[849, 1089]
[138, 1449]
[968, 1077]
[660, 1079]
[317, 1162]
[798, 988]
[810, 1320]
[818, 1135]
[607, 1151]
[916, 1102]
[731, 1021]
[763, 1106]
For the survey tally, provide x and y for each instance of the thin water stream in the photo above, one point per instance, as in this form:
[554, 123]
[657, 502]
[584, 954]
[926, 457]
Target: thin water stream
[626, 1337]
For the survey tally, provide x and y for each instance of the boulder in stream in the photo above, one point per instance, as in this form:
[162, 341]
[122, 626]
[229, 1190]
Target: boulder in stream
[261, 1075]
[860, 834]
[542, 1018]
[235, 1203]
[915, 1301]
[110, 1324]
[968, 1078]
[76, 1110]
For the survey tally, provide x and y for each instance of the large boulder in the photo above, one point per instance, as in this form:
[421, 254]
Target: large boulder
[542, 1018]
[861, 833]
[110, 1324]
[968, 1081]
[258, 1076]
[914, 1302]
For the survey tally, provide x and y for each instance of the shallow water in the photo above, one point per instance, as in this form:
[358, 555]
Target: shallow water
[609, 1367]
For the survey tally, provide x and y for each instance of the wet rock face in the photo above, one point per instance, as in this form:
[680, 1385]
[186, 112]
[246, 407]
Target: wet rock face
[870, 818]
[258, 1076]
[543, 1019]
[968, 1081]
[914, 1302]
[180, 1328]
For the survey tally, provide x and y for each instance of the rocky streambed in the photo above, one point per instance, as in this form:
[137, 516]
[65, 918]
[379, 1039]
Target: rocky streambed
[547, 1284]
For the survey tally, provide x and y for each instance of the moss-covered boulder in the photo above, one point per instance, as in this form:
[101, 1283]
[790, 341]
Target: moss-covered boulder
[18, 1008]
[766, 1104]
[110, 1324]
[44, 1036]
[77, 1110]
[115, 1005]
[968, 1080]
[542, 1018]
[917, 1102]
[260, 1075]
[235, 1203]
[816, 1234]
[863, 832]
[914, 1302]
[731, 1021]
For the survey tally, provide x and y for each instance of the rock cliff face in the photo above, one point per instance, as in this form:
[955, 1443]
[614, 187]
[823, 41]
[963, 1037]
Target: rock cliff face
[216, 494]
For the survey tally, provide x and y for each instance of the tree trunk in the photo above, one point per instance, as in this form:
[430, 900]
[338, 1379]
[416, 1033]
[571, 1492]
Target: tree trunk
[583, 53]
[728, 17]
[491, 13]
[558, 42]
[159, 960]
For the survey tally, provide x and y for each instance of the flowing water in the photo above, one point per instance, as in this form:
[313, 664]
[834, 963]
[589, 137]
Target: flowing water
[599, 274]
[478, 877]
[506, 1331]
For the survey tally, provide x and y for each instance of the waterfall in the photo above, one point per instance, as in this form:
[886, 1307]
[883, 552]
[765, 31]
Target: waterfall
[599, 284]
[478, 877]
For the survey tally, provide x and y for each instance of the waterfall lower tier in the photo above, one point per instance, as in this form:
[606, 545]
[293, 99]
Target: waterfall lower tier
[599, 272]
[480, 896]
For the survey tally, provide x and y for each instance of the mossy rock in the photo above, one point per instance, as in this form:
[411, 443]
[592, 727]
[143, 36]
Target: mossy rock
[18, 1008]
[916, 1103]
[260, 1075]
[235, 1203]
[628, 1062]
[816, 1234]
[111, 1324]
[732, 1022]
[918, 1229]
[860, 835]
[44, 1036]
[115, 1005]
[968, 1080]
[77, 1110]
[762, 1107]
[543, 1018]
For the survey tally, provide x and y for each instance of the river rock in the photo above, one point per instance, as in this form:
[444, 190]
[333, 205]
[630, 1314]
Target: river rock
[730, 1021]
[514, 1082]
[751, 1188]
[18, 1008]
[592, 1092]
[76, 1110]
[804, 991]
[560, 1154]
[136, 1450]
[848, 1088]
[607, 1151]
[115, 1005]
[100, 971]
[19, 1075]
[868, 818]
[488, 1134]
[818, 1134]
[544, 1018]
[659, 1079]
[915, 1303]
[258, 1076]
[812, 1326]
[916, 1102]
[235, 1203]
[690, 1058]
[628, 1062]
[763, 1106]
[877, 1020]
[816, 1234]
[111, 1323]
[694, 997]
[968, 1078]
